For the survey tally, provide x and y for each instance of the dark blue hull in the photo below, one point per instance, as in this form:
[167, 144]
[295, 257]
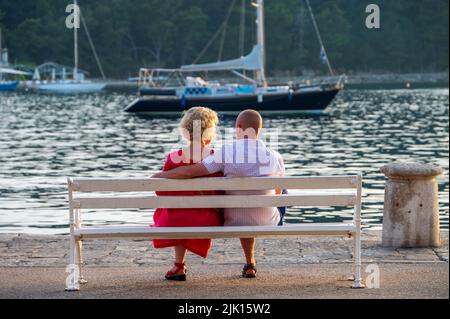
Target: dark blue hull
[8, 86]
[311, 101]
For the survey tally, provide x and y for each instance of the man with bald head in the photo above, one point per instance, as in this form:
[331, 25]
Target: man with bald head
[248, 156]
[249, 125]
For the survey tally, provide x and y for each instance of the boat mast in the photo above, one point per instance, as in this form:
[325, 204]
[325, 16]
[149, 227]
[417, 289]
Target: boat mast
[1, 54]
[75, 28]
[261, 73]
[1, 49]
[322, 46]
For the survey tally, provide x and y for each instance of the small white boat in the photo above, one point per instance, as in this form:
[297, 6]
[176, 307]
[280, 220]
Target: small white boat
[77, 84]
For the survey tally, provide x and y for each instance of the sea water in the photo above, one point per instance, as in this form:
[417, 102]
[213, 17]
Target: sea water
[45, 138]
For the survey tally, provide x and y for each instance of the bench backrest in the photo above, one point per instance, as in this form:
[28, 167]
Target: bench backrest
[106, 190]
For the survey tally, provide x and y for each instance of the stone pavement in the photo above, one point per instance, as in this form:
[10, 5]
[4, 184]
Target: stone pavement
[33, 267]
[51, 251]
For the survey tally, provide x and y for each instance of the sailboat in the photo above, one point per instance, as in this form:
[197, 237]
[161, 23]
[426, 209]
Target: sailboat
[4, 84]
[8, 85]
[256, 93]
[77, 84]
[6, 71]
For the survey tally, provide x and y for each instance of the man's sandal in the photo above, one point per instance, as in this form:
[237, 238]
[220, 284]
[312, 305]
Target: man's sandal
[179, 274]
[249, 271]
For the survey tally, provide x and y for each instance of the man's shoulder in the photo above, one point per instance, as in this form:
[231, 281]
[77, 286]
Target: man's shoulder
[277, 162]
[274, 153]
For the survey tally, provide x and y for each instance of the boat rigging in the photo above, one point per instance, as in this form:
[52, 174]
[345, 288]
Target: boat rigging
[161, 97]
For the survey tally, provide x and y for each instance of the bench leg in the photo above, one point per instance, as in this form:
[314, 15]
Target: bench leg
[357, 264]
[72, 280]
[352, 276]
[79, 248]
[357, 283]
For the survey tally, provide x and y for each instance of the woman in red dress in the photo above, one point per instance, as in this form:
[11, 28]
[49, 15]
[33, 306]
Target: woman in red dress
[194, 217]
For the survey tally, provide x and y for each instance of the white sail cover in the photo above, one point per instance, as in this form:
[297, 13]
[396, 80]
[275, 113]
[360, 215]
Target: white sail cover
[12, 71]
[36, 75]
[249, 62]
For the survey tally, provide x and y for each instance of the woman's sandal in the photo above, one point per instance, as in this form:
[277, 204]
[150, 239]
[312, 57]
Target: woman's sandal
[249, 271]
[179, 274]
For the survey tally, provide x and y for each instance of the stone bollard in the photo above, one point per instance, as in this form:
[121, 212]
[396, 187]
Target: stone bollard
[411, 206]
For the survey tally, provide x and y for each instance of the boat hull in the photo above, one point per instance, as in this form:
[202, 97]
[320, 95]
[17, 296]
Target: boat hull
[71, 88]
[8, 86]
[298, 101]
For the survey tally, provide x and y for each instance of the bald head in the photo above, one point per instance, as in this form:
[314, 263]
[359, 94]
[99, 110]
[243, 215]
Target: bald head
[249, 124]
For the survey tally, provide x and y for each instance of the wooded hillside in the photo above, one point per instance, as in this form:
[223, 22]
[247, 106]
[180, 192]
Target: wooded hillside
[168, 33]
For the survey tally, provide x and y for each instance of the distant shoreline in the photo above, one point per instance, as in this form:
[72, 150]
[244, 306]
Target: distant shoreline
[353, 79]
[375, 78]
[361, 78]
[399, 78]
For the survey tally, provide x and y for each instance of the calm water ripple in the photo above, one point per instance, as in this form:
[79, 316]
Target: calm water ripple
[44, 139]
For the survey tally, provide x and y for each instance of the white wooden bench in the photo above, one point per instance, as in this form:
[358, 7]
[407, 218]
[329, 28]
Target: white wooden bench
[337, 191]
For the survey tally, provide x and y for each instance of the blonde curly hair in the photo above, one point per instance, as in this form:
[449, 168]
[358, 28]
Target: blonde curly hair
[199, 118]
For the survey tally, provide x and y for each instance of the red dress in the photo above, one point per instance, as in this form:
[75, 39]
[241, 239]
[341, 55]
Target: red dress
[194, 217]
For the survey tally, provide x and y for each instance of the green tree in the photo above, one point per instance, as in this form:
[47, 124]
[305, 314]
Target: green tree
[129, 34]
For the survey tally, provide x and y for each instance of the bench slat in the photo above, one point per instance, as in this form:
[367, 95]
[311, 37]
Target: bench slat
[226, 201]
[222, 184]
[215, 232]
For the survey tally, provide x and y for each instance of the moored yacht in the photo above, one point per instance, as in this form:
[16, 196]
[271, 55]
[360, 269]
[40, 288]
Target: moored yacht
[255, 92]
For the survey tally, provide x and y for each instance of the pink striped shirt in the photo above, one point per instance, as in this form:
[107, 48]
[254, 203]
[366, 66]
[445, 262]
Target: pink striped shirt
[247, 158]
